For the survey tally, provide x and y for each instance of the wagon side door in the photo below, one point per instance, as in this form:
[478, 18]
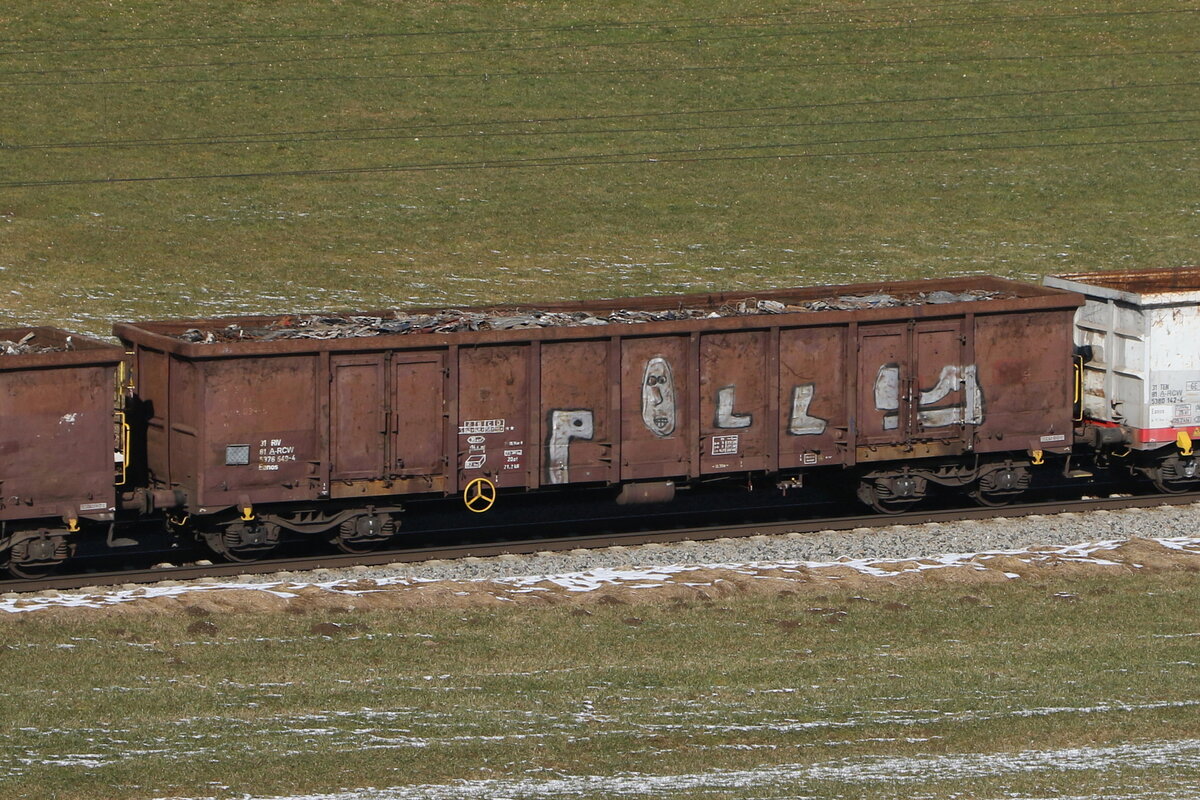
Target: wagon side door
[358, 417]
[418, 416]
[884, 375]
[943, 395]
[656, 411]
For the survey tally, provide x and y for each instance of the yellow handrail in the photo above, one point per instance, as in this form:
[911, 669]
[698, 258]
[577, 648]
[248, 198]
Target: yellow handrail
[124, 447]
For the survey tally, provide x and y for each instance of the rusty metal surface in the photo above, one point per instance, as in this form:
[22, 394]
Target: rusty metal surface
[493, 415]
[813, 415]
[58, 438]
[243, 430]
[577, 426]
[1141, 281]
[735, 424]
[1025, 381]
[395, 415]
[656, 407]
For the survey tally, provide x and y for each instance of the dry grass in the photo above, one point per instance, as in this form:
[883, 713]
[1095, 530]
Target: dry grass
[288, 704]
[929, 194]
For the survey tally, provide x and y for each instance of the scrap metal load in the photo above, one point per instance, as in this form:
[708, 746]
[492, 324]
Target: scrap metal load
[327, 326]
[30, 345]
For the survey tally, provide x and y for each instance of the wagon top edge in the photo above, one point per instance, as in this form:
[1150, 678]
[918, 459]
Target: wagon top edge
[1140, 287]
[43, 346]
[593, 319]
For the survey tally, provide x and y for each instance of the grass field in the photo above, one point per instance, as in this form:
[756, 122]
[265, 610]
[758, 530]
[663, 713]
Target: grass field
[221, 157]
[234, 157]
[1079, 688]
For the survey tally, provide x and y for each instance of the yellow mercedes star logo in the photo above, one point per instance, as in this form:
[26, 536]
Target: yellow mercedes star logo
[479, 495]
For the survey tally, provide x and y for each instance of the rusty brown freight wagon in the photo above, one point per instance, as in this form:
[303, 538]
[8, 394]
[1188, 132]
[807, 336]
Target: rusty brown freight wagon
[59, 442]
[316, 423]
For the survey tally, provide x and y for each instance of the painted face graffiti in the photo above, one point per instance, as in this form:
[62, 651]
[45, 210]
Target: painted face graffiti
[658, 397]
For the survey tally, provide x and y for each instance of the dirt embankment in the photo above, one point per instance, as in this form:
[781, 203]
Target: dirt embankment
[603, 587]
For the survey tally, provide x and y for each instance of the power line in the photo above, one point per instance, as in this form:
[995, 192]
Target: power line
[791, 65]
[643, 161]
[943, 23]
[655, 156]
[283, 138]
[156, 42]
[489, 75]
[696, 112]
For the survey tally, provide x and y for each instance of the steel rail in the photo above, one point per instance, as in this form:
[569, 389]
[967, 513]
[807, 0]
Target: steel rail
[596, 541]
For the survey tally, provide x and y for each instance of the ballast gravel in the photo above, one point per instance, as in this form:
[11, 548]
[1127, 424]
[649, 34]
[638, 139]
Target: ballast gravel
[1159, 539]
[889, 542]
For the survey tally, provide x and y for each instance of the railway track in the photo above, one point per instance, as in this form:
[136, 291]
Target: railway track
[631, 538]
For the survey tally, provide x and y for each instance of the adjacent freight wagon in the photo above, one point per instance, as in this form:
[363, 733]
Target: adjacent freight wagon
[329, 424]
[1138, 338]
[58, 439]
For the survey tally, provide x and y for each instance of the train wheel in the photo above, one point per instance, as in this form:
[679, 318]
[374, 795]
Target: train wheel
[894, 494]
[243, 542]
[31, 570]
[989, 499]
[882, 501]
[36, 555]
[1175, 476]
[1001, 486]
[364, 533]
[1173, 487]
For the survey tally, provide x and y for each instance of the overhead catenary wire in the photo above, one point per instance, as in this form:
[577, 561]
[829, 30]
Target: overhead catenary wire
[650, 157]
[820, 64]
[702, 22]
[424, 128]
[262, 81]
[410, 131]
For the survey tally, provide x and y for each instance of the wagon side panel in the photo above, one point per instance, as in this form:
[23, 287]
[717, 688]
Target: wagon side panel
[56, 445]
[493, 414]
[151, 370]
[418, 462]
[185, 427]
[814, 417]
[261, 435]
[943, 389]
[1025, 381]
[576, 432]
[656, 407]
[358, 417]
[882, 407]
[735, 425]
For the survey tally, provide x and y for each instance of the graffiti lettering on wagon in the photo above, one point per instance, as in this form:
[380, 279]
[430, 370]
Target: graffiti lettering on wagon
[659, 407]
[660, 413]
[930, 414]
[566, 426]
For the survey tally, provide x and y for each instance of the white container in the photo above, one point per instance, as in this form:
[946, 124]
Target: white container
[1143, 331]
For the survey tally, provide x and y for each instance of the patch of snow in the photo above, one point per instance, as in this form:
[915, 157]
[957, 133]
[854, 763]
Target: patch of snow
[859, 770]
[592, 580]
